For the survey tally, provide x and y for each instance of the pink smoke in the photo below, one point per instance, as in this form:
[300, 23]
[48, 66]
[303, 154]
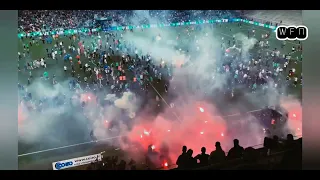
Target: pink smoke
[294, 109]
[198, 127]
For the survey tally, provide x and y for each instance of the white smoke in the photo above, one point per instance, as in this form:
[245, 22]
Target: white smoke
[54, 124]
[119, 109]
[127, 102]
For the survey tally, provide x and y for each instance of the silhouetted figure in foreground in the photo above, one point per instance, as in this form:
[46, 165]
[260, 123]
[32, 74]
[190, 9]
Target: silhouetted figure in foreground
[289, 143]
[235, 152]
[275, 145]
[203, 157]
[250, 155]
[218, 155]
[181, 161]
[122, 165]
[114, 160]
[293, 154]
[152, 158]
[267, 142]
[132, 165]
[190, 161]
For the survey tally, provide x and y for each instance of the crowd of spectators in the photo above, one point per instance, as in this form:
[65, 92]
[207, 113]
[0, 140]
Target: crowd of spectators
[274, 155]
[246, 158]
[35, 20]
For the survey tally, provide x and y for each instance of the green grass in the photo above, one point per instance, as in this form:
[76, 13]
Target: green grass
[39, 51]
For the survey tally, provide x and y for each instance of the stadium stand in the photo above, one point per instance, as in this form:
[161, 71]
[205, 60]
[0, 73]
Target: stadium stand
[293, 17]
[54, 19]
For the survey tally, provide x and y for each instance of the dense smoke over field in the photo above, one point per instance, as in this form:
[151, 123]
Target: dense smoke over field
[64, 121]
[55, 124]
[200, 114]
[185, 124]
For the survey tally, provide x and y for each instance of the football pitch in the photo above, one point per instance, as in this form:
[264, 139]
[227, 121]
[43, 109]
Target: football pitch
[39, 51]
[43, 159]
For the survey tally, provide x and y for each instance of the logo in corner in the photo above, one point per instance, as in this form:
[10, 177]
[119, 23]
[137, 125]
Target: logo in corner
[60, 165]
[292, 33]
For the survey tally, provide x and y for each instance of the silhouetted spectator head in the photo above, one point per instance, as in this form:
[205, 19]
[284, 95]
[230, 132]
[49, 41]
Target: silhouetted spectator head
[184, 149]
[218, 145]
[190, 152]
[266, 142]
[289, 141]
[290, 137]
[276, 138]
[203, 150]
[236, 142]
